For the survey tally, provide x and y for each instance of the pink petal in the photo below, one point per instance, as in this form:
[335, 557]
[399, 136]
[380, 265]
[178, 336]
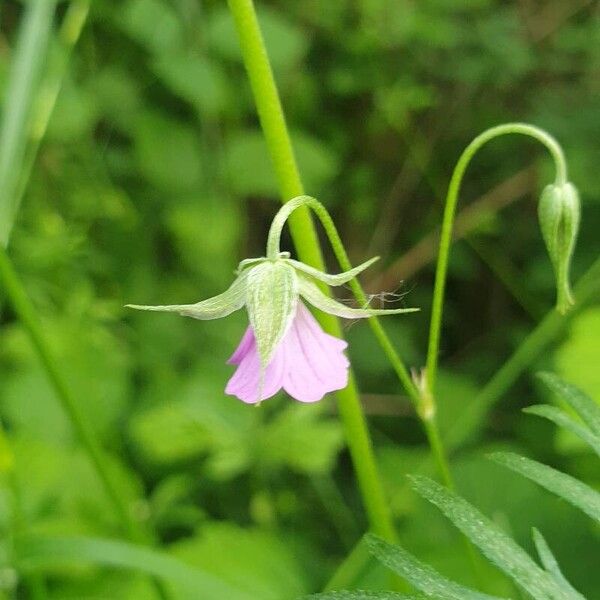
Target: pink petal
[308, 364]
[315, 360]
[245, 382]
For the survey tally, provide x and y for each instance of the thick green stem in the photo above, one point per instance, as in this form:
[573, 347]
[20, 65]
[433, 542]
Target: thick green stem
[448, 221]
[22, 306]
[305, 239]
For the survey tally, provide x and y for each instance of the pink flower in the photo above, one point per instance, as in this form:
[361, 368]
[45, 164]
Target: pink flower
[307, 363]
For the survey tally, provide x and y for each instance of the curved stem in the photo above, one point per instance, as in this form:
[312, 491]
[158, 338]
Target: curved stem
[448, 221]
[305, 239]
[422, 401]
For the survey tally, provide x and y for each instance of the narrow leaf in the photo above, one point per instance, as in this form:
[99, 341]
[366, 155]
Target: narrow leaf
[25, 69]
[551, 565]
[38, 553]
[311, 292]
[562, 419]
[216, 307]
[494, 543]
[333, 280]
[565, 486]
[582, 404]
[419, 574]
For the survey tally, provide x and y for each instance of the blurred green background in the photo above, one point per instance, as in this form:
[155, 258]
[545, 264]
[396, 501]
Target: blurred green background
[153, 182]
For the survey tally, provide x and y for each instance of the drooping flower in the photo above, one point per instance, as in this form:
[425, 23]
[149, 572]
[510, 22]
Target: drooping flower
[284, 346]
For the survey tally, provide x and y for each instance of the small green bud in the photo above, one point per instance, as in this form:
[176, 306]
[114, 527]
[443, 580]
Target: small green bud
[559, 212]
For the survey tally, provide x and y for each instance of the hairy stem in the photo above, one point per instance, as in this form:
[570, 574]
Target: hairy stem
[305, 239]
[448, 222]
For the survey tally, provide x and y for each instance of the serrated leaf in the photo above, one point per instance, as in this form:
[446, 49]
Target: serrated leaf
[37, 553]
[420, 575]
[563, 485]
[494, 543]
[582, 404]
[551, 565]
[563, 420]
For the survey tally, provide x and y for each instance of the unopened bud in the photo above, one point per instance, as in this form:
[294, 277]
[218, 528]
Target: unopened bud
[559, 212]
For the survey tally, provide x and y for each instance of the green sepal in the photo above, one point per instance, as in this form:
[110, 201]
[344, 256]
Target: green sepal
[213, 308]
[311, 292]
[271, 299]
[333, 280]
[559, 214]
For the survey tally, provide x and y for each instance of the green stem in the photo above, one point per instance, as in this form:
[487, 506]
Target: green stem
[448, 221]
[305, 239]
[421, 400]
[26, 312]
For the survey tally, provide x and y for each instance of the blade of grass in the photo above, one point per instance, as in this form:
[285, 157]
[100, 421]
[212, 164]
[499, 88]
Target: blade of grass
[582, 404]
[562, 419]
[570, 489]
[499, 548]
[25, 70]
[37, 553]
[420, 575]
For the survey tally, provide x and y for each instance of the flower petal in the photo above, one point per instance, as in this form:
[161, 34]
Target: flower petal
[311, 292]
[315, 362]
[246, 381]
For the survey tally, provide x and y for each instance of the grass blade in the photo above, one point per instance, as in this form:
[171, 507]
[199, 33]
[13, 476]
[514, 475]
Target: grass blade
[565, 486]
[34, 553]
[502, 550]
[551, 565]
[25, 70]
[562, 419]
[420, 575]
[582, 404]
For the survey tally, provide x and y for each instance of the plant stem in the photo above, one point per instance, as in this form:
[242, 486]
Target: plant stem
[27, 315]
[421, 401]
[305, 239]
[448, 221]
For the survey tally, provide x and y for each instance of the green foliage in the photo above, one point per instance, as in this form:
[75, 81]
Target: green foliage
[153, 180]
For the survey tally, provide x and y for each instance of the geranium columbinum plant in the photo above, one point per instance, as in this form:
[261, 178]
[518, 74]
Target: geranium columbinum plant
[284, 345]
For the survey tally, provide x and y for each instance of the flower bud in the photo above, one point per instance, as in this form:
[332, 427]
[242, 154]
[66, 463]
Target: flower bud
[559, 214]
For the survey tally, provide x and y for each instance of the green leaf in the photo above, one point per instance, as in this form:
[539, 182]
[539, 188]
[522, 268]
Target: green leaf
[563, 420]
[253, 561]
[551, 565]
[39, 553]
[582, 404]
[422, 576]
[494, 543]
[565, 486]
